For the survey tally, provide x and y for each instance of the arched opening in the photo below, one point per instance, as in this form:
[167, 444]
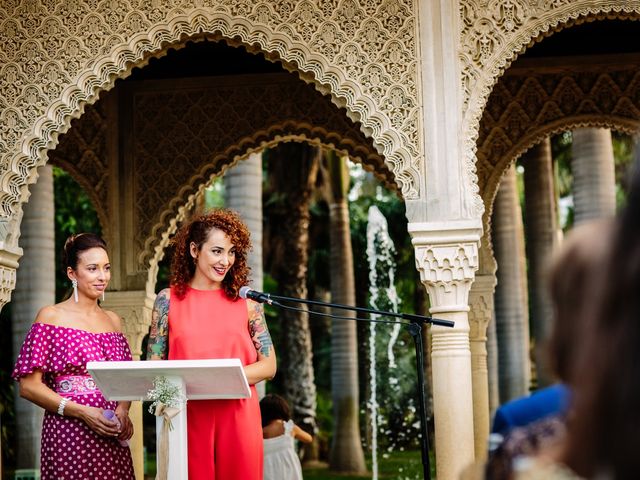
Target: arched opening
[583, 78]
[100, 147]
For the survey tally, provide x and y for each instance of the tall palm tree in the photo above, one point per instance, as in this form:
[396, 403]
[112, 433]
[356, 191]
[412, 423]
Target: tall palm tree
[292, 170]
[593, 170]
[346, 449]
[512, 327]
[541, 233]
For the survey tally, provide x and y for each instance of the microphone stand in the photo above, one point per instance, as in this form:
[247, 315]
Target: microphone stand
[414, 327]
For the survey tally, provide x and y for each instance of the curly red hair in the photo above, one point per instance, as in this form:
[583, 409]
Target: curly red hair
[197, 230]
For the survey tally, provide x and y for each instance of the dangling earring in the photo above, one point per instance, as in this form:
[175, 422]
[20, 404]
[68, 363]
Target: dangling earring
[103, 295]
[74, 282]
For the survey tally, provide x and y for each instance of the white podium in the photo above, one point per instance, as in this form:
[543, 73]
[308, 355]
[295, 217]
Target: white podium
[197, 379]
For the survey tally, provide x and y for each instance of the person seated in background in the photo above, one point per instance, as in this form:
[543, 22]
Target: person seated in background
[551, 400]
[538, 422]
[602, 437]
[604, 420]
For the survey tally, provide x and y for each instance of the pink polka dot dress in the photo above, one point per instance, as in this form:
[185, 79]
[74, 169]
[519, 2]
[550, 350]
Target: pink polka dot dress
[70, 450]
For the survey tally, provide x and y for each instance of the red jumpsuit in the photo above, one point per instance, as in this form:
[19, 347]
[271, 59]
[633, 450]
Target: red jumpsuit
[224, 436]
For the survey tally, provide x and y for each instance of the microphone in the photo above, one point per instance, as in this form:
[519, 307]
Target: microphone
[246, 292]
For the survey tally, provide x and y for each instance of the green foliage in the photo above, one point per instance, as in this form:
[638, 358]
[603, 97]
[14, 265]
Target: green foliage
[623, 151]
[396, 386]
[392, 207]
[394, 466]
[214, 194]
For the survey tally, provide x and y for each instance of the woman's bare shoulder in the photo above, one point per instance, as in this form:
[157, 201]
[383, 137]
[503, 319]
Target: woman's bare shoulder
[50, 315]
[115, 320]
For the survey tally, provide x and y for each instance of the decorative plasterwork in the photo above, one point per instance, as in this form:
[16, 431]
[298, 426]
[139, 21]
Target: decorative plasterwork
[494, 32]
[82, 152]
[134, 307]
[185, 134]
[56, 56]
[526, 106]
[182, 205]
[481, 306]
[447, 260]
[8, 267]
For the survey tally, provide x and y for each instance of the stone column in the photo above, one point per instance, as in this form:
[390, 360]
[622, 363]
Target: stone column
[243, 193]
[134, 307]
[8, 265]
[481, 313]
[541, 234]
[35, 288]
[492, 365]
[512, 325]
[594, 186]
[447, 260]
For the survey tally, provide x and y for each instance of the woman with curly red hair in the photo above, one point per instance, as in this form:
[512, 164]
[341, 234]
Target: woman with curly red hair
[201, 317]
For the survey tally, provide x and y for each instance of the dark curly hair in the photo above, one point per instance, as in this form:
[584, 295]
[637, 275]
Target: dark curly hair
[197, 230]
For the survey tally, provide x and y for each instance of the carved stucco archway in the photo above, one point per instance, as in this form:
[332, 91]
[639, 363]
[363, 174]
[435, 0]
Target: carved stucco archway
[164, 230]
[493, 33]
[526, 106]
[53, 69]
[181, 134]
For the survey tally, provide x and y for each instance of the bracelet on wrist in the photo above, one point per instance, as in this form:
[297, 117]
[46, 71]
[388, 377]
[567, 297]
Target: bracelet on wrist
[61, 405]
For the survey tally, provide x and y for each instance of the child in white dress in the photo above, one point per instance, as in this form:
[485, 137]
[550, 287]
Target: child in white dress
[279, 433]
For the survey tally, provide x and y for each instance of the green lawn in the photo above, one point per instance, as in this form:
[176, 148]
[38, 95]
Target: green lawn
[397, 466]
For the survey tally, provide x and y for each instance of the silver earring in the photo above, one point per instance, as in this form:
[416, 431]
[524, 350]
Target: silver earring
[74, 282]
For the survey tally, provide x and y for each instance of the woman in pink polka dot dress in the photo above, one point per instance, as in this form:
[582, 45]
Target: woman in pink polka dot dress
[78, 441]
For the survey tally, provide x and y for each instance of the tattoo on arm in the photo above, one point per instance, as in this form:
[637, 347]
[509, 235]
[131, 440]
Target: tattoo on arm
[159, 334]
[258, 329]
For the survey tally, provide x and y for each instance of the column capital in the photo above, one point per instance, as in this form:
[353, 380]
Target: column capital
[135, 307]
[9, 257]
[447, 258]
[481, 304]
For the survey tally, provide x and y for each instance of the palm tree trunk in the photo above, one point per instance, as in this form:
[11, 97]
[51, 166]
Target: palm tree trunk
[346, 450]
[593, 167]
[292, 170]
[512, 327]
[541, 234]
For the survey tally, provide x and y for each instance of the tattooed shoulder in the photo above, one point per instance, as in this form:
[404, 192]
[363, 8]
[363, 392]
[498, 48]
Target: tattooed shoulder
[258, 329]
[159, 334]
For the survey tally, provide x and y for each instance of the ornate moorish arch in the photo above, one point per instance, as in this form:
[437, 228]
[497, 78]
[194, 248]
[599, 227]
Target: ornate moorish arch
[530, 103]
[183, 132]
[146, 149]
[83, 152]
[317, 136]
[52, 69]
[494, 33]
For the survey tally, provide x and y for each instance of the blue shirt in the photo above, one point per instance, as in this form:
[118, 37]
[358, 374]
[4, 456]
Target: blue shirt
[553, 400]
